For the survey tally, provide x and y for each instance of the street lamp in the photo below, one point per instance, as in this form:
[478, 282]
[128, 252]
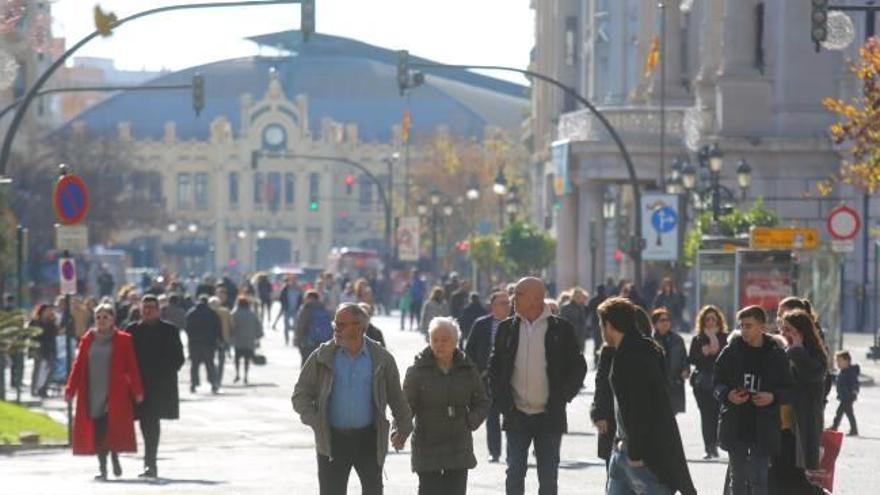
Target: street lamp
[743, 175]
[716, 158]
[172, 227]
[512, 203]
[688, 176]
[500, 185]
[473, 190]
[447, 209]
[609, 206]
[242, 234]
[434, 197]
[421, 208]
[192, 228]
[261, 234]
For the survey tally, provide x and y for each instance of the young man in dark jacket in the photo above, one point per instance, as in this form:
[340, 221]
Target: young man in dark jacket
[751, 379]
[203, 334]
[535, 370]
[648, 456]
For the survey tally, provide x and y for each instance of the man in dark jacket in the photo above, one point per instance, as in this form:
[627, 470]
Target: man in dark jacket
[479, 349]
[647, 434]
[751, 379]
[675, 356]
[203, 334]
[535, 370]
[159, 355]
[459, 299]
[469, 315]
[575, 312]
[291, 298]
[847, 391]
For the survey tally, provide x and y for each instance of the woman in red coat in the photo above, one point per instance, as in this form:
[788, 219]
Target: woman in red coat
[105, 380]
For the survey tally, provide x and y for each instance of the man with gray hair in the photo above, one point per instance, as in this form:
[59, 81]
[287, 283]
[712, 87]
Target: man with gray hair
[342, 393]
[535, 369]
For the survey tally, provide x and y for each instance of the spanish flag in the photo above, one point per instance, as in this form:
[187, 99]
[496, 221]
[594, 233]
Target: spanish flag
[653, 57]
[405, 125]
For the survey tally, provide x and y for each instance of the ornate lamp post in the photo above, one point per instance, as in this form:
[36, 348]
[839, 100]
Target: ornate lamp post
[500, 189]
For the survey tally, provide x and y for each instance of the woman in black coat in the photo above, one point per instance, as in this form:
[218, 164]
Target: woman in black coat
[801, 413]
[675, 357]
[710, 339]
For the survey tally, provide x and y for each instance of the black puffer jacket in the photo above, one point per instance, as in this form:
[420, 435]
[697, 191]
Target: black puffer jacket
[447, 407]
[774, 377]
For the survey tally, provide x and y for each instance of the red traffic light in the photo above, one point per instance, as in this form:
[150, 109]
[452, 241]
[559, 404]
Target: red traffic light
[349, 180]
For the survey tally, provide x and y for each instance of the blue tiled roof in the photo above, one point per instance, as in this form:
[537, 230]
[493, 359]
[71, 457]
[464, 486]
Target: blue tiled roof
[345, 80]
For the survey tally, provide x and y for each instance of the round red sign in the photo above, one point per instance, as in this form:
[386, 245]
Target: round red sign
[70, 199]
[843, 223]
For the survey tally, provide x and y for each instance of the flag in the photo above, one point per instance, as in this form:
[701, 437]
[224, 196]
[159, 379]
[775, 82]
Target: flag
[653, 57]
[405, 125]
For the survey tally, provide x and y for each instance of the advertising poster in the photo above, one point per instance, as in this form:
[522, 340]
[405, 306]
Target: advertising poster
[408, 239]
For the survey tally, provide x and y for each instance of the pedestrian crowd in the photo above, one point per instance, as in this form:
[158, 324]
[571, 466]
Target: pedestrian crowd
[515, 364]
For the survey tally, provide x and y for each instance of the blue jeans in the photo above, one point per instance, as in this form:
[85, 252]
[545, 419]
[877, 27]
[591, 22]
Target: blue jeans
[546, 451]
[624, 479]
[748, 470]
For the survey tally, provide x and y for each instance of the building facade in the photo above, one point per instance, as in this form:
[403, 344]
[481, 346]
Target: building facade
[739, 73]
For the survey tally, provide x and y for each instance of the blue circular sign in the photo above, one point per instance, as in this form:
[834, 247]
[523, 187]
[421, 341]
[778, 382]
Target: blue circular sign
[664, 219]
[71, 199]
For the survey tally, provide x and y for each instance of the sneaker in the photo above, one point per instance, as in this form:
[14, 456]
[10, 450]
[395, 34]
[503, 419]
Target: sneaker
[148, 473]
[853, 433]
[493, 459]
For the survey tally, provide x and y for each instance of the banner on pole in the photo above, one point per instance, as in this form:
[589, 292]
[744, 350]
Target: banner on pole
[408, 239]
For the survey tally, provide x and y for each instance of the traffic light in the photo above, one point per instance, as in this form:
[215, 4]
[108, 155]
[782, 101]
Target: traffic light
[198, 93]
[307, 18]
[349, 182]
[402, 71]
[313, 203]
[819, 20]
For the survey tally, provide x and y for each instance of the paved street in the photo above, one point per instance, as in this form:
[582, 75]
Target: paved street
[248, 440]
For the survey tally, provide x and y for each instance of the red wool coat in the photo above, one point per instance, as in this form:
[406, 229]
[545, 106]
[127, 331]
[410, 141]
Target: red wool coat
[125, 385]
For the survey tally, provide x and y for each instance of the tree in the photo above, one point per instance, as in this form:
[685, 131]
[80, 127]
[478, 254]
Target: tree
[527, 250]
[733, 224]
[120, 195]
[859, 125]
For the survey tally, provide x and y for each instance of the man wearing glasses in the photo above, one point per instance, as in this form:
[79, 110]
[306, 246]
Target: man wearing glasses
[479, 348]
[342, 393]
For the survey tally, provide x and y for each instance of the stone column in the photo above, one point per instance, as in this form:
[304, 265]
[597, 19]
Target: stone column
[617, 89]
[590, 208]
[566, 241]
[675, 92]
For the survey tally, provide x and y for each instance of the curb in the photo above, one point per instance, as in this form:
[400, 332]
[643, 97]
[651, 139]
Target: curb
[14, 448]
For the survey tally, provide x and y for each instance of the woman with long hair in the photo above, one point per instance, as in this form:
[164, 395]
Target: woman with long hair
[105, 380]
[710, 338]
[44, 360]
[802, 415]
[670, 298]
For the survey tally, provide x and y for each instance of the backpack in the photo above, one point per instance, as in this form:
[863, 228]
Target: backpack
[321, 330]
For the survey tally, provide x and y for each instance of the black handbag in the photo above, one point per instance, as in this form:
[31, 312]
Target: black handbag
[259, 359]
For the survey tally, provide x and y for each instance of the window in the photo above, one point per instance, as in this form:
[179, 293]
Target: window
[233, 189]
[273, 191]
[201, 191]
[289, 189]
[759, 37]
[570, 41]
[154, 187]
[184, 190]
[314, 185]
[259, 186]
[365, 190]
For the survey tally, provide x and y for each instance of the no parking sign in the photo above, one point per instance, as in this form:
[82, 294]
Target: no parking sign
[66, 276]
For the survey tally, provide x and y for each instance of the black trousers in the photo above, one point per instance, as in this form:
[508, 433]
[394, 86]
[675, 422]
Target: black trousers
[221, 362]
[198, 356]
[845, 407]
[709, 411]
[350, 449]
[446, 482]
[150, 429]
[493, 430]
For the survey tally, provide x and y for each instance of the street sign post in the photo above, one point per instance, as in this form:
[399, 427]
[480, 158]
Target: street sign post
[66, 276]
[783, 238]
[70, 199]
[72, 238]
[843, 224]
[660, 224]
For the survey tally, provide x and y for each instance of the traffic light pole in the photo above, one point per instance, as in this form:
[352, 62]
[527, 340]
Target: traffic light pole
[633, 178]
[6, 150]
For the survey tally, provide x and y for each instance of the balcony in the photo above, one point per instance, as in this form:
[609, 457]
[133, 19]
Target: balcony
[634, 124]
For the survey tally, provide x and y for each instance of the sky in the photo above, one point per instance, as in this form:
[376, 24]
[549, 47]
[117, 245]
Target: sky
[496, 32]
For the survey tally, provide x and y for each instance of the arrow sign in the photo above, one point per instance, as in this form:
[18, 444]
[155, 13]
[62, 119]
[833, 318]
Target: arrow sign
[70, 199]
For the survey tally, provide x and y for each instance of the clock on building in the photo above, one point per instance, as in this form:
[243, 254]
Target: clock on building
[274, 137]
